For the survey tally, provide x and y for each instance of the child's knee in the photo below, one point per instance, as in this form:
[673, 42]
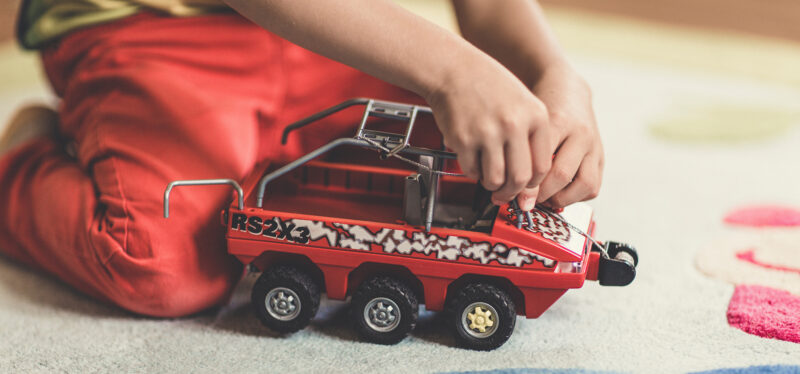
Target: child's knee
[164, 293]
[171, 292]
[182, 274]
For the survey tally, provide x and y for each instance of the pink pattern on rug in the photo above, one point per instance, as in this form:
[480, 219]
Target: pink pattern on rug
[749, 255]
[766, 312]
[764, 215]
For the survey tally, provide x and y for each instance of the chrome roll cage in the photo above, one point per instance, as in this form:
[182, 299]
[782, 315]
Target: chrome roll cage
[387, 143]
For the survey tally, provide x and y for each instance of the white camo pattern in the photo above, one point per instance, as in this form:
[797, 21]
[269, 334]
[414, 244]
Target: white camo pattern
[390, 240]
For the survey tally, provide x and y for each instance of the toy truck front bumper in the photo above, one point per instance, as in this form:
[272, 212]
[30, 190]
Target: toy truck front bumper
[612, 265]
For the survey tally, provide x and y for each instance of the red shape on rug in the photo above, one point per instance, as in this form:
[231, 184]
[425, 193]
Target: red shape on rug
[764, 215]
[766, 312]
[749, 255]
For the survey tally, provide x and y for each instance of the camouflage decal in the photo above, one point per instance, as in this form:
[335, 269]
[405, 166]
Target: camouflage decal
[545, 225]
[397, 241]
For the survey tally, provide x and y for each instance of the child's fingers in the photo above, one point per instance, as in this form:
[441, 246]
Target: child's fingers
[543, 144]
[493, 167]
[518, 169]
[468, 161]
[527, 198]
[586, 185]
[565, 166]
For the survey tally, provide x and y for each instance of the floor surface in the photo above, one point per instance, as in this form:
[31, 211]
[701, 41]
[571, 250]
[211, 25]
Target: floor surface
[666, 195]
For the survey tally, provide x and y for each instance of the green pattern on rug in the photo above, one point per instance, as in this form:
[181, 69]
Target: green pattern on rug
[724, 123]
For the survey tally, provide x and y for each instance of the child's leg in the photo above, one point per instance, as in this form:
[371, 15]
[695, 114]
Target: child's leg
[147, 100]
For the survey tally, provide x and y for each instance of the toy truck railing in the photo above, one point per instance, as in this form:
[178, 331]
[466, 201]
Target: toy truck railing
[389, 143]
[202, 182]
[374, 108]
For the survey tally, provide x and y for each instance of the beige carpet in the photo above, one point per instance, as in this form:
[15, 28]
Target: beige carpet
[664, 195]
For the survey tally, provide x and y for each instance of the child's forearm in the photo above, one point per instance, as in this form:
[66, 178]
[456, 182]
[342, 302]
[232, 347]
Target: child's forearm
[514, 32]
[375, 36]
[499, 129]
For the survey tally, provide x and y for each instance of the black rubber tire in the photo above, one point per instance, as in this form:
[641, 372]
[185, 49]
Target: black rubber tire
[294, 279]
[489, 294]
[395, 290]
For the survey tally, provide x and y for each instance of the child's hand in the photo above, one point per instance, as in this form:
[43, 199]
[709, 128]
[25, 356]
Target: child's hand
[496, 126]
[577, 169]
[500, 130]
[515, 33]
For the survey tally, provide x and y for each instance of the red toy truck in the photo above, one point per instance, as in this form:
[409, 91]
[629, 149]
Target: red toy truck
[393, 237]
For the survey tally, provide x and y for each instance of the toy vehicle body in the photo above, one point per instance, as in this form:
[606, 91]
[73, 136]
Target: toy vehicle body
[394, 238]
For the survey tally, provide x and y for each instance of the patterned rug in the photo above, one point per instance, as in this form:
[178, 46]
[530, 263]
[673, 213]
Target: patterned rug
[712, 209]
[761, 257]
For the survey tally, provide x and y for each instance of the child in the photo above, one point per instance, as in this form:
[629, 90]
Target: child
[147, 98]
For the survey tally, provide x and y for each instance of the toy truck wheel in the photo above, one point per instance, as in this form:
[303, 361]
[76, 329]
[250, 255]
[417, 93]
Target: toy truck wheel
[623, 252]
[482, 315]
[384, 310]
[285, 298]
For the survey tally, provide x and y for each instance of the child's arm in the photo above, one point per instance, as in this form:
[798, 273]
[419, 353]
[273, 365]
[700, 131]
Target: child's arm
[516, 34]
[498, 128]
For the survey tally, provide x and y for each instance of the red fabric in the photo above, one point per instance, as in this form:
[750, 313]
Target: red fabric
[148, 100]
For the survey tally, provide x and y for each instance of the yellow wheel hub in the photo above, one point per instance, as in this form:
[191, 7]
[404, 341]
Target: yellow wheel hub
[480, 319]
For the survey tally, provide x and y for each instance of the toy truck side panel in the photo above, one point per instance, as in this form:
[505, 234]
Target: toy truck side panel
[397, 239]
[540, 289]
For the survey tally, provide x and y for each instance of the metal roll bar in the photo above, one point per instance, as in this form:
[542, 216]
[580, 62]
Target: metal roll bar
[438, 156]
[317, 116]
[388, 143]
[262, 184]
[367, 138]
[374, 108]
[202, 182]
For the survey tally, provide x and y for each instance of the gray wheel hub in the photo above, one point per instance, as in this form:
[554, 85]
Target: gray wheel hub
[382, 314]
[282, 304]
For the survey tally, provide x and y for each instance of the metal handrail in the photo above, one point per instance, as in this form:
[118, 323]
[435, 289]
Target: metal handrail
[367, 139]
[376, 108]
[308, 120]
[262, 184]
[371, 106]
[202, 182]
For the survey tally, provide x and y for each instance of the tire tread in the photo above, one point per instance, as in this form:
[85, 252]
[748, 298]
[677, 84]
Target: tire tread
[490, 294]
[381, 285]
[296, 279]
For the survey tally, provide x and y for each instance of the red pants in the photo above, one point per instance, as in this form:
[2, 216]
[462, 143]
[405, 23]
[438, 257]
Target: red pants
[149, 100]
